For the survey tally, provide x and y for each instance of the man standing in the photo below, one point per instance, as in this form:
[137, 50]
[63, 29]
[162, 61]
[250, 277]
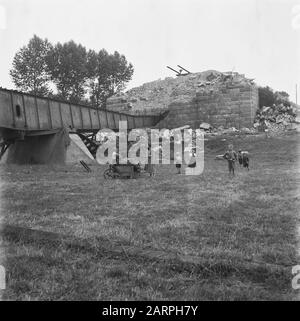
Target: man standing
[231, 157]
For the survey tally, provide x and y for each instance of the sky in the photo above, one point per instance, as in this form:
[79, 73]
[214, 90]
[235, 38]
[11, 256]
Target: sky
[258, 38]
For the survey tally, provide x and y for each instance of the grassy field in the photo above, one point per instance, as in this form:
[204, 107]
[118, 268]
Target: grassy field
[171, 237]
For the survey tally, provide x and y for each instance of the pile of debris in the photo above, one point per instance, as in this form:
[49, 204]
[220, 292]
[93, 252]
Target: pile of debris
[215, 131]
[160, 93]
[276, 118]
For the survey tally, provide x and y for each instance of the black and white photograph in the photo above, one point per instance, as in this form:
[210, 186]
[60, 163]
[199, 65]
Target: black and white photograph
[149, 152]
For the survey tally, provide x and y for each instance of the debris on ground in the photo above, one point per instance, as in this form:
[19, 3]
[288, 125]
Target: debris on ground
[276, 118]
[205, 126]
[158, 95]
[269, 119]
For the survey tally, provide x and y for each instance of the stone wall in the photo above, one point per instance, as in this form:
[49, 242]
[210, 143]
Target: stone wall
[220, 99]
[229, 107]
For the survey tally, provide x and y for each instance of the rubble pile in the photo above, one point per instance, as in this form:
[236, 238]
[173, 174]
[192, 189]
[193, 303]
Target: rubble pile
[216, 131]
[160, 93]
[275, 118]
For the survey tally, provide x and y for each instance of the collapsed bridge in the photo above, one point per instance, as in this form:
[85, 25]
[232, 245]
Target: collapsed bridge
[35, 129]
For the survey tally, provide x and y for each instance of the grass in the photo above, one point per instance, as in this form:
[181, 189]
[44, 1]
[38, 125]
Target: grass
[214, 238]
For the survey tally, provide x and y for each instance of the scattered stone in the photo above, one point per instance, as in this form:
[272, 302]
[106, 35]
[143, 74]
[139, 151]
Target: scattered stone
[205, 126]
[275, 119]
[245, 130]
[265, 109]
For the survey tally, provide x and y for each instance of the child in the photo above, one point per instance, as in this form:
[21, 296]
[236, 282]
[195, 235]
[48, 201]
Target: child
[240, 157]
[192, 162]
[178, 162]
[243, 159]
[149, 168]
[231, 157]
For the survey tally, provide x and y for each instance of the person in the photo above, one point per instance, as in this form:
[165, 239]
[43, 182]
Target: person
[149, 167]
[192, 162]
[243, 159]
[240, 157]
[231, 157]
[178, 162]
[137, 169]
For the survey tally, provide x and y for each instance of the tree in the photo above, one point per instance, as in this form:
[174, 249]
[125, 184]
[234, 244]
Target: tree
[108, 74]
[74, 71]
[282, 97]
[67, 65]
[283, 94]
[29, 68]
[266, 96]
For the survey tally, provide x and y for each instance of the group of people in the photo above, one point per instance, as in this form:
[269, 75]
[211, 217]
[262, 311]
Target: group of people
[231, 156]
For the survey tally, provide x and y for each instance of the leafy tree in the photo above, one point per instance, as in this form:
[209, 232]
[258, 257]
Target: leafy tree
[67, 65]
[283, 94]
[282, 97]
[108, 74]
[29, 68]
[266, 96]
[72, 70]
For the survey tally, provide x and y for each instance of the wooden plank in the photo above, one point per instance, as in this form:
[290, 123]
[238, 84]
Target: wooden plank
[95, 119]
[37, 112]
[12, 110]
[24, 111]
[90, 118]
[49, 113]
[103, 119]
[72, 121]
[55, 114]
[6, 117]
[30, 112]
[42, 108]
[66, 115]
[18, 110]
[86, 118]
[76, 116]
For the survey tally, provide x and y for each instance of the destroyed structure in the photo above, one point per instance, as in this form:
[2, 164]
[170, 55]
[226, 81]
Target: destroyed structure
[41, 130]
[38, 130]
[219, 99]
[276, 118]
